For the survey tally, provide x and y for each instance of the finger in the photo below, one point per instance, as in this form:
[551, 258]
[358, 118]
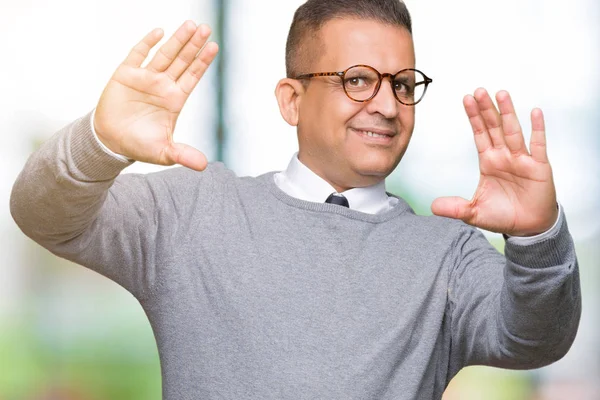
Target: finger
[513, 135]
[538, 136]
[490, 117]
[481, 135]
[189, 52]
[187, 156]
[140, 51]
[453, 207]
[168, 51]
[190, 78]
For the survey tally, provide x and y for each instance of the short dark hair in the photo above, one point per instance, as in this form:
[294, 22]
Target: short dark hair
[312, 15]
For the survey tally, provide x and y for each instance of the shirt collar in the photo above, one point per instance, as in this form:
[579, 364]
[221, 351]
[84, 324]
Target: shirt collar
[300, 182]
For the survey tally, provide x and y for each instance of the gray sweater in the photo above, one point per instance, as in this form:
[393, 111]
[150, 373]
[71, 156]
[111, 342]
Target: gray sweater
[253, 294]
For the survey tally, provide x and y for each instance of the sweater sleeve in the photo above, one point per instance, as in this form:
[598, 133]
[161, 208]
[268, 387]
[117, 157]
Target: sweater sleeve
[518, 311]
[70, 199]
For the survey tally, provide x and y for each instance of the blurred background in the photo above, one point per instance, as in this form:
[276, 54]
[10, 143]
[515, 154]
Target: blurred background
[68, 333]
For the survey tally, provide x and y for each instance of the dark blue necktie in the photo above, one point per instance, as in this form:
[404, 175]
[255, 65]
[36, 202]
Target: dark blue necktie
[337, 199]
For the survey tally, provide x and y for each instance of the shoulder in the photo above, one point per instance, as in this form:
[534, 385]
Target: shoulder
[430, 225]
[182, 175]
[176, 182]
[182, 178]
[435, 230]
[216, 183]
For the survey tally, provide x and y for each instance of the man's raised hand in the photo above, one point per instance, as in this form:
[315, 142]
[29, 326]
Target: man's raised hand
[138, 109]
[516, 194]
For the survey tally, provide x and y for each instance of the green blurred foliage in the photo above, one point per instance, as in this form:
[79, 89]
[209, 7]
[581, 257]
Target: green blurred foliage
[87, 369]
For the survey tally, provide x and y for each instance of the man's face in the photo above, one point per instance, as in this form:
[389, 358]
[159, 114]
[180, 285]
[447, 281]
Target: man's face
[332, 128]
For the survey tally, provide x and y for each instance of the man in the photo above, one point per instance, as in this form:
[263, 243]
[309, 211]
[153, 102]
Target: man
[312, 282]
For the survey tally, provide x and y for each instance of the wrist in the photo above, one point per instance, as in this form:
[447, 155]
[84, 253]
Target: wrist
[103, 143]
[541, 231]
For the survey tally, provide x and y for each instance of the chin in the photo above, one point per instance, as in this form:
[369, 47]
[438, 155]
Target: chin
[376, 165]
[372, 173]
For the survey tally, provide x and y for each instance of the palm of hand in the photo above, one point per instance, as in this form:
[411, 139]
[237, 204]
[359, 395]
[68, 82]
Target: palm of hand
[138, 110]
[513, 195]
[151, 103]
[516, 193]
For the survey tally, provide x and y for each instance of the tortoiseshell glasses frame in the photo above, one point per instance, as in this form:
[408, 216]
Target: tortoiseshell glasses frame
[408, 91]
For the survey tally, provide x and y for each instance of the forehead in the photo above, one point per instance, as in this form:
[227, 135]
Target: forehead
[347, 42]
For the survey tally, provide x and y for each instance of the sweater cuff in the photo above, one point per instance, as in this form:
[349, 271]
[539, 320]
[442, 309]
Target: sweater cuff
[556, 249]
[89, 157]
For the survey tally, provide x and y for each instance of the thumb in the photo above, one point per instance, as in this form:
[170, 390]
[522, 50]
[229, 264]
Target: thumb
[187, 156]
[453, 207]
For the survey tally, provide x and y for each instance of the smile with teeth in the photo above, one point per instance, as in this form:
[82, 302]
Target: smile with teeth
[371, 134]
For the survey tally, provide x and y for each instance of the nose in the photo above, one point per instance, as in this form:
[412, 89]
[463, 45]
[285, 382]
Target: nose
[384, 102]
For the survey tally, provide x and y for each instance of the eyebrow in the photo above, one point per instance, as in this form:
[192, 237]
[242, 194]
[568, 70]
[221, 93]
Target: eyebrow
[404, 79]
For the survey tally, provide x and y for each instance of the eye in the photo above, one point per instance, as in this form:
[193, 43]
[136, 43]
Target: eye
[403, 87]
[357, 82]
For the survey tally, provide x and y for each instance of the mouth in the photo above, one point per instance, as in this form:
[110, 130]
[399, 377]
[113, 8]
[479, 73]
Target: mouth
[373, 135]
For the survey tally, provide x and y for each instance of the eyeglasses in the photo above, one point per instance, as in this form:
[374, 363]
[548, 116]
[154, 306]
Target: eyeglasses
[362, 82]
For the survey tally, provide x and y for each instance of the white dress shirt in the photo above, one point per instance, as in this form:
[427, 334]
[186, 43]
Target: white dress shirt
[300, 182]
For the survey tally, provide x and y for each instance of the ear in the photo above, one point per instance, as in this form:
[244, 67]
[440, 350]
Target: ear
[288, 93]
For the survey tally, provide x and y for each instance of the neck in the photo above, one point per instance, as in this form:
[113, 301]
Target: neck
[337, 181]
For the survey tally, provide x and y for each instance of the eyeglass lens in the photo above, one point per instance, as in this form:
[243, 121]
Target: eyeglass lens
[361, 83]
